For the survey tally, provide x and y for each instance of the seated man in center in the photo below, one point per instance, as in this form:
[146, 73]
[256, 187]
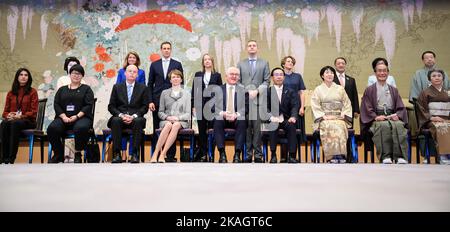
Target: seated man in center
[384, 114]
[128, 105]
[283, 107]
[229, 111]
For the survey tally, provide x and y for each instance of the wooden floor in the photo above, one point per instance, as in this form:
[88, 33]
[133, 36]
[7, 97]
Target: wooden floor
[22, 156]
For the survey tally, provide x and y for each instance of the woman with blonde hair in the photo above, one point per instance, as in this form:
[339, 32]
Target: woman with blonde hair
[174, 112]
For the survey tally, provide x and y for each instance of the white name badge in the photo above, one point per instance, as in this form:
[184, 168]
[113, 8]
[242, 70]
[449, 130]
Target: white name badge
[70, 108]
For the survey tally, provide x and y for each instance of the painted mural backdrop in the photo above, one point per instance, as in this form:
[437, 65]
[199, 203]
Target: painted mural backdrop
[101, 33]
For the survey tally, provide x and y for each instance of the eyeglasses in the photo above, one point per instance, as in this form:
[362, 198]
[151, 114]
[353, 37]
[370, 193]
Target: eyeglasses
[233, 74]
[278, 74]
[75, 74]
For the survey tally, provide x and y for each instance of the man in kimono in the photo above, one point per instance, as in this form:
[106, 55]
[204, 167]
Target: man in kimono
[383, 113]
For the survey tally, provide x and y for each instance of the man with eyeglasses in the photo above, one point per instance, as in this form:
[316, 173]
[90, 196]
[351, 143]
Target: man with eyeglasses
[283, 107]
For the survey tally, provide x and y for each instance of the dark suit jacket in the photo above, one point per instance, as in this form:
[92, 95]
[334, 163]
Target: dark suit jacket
[118, 102]
[198, 86]
[289, 105]
[240, 101]
[156, 81]
[352, 92]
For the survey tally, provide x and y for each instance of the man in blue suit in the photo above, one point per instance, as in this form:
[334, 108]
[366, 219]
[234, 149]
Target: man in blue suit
[157, 82]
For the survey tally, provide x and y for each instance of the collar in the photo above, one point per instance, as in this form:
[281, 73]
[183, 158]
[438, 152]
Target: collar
[164, 59]
[228, 86]
[278, 88]
[132, 85]
[339, 74]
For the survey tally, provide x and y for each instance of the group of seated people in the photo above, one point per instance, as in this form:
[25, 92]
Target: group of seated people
[246, 102]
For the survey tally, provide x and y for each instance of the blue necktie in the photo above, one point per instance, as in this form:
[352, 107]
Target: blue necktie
[253, 66]
[129, 92]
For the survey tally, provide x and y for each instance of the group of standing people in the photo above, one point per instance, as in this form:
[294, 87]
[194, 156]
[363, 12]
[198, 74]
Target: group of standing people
[245, 102]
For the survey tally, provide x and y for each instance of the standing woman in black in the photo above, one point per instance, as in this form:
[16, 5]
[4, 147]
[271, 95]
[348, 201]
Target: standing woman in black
[207, 78]
[73, 111]
[20, 113]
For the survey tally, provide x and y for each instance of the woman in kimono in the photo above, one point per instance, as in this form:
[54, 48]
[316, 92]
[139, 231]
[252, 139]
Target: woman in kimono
[332, 111]
[434, 113]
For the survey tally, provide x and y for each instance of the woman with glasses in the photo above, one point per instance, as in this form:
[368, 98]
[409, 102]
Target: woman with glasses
[73, 111]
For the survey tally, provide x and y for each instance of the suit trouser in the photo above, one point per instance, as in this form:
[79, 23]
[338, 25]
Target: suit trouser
[290, 132]
[253, 138]
[117, 125]
[10, 135]
[219, 133]
[57, 129]
[172, 150]
[203, 126]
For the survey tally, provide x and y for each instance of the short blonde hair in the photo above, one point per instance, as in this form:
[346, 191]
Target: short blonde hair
[175, 72]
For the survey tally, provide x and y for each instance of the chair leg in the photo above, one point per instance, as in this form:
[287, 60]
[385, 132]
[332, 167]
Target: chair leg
[30, 149]
[143, 148]
[299, 148]
[417, 150]
[103, 148]
[409, 147]
[265, 149]
[427, 150]
[49, 151]
[210, 147]
[42, 149]
[191, 146]
[318, 150]
[354, 149]
[372, 153]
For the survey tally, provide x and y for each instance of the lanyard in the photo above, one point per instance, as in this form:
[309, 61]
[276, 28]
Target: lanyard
[19, 104]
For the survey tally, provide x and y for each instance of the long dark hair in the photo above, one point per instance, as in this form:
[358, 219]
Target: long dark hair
[16, 85]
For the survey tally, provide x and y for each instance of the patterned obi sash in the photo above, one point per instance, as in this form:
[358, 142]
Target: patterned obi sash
[332, 108]
[439, 108]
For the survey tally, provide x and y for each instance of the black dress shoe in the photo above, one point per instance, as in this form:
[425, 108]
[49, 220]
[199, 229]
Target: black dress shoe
[223, 157]
[237, 157]
[273, 160]
[77, 158]
[134, 159]
[170, 160]
[292, 159]
[56, 159]
[259, 159]
[117, 158]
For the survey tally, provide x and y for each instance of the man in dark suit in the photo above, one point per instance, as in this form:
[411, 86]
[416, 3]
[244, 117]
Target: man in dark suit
[128, 105]
[157, 82]
[349, 84]
[229, 110]
[283, 107]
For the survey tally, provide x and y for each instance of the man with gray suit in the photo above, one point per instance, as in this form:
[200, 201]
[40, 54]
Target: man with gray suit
[255, 77]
